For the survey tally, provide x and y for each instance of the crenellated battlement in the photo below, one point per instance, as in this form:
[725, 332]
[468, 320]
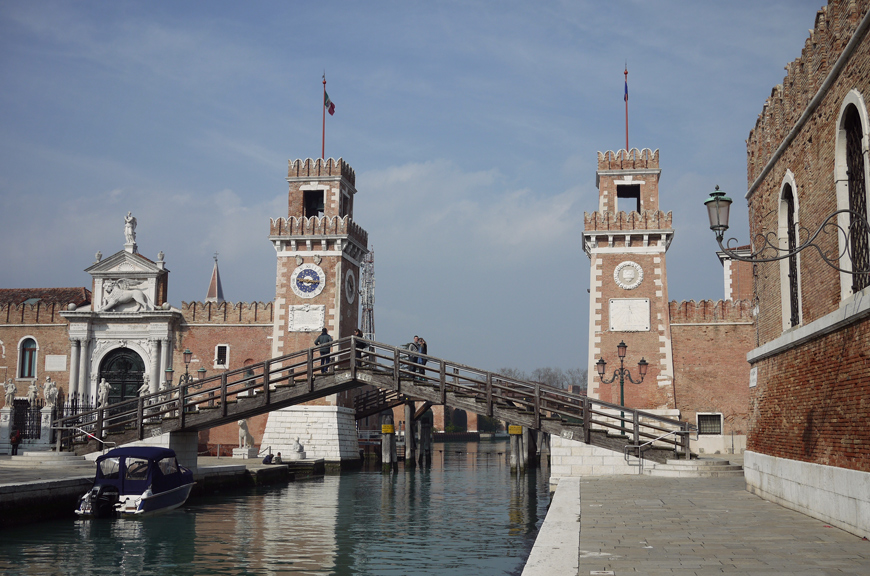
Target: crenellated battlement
[710, 311]
[227, 312]
[37, 313]
[633, 159]
[318, 167]
[647, 220]
[834, 26]
[326, 226]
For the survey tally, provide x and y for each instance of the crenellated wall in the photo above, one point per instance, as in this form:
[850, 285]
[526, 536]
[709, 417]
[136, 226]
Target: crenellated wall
[648, 220]
[227, 312]
[834, 26]
[710, 311]
[295, 226]
[319, 167]
[633, 159]
[37, 313]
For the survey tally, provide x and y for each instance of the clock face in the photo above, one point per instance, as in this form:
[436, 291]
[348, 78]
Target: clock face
[350, 286]
[308, 280]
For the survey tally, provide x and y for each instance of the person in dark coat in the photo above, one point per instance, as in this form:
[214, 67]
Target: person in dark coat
[15, 440]
[424, 349]
[360, 345]
[323, 341]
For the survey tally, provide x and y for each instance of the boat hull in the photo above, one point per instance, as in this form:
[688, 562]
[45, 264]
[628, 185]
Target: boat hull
[155, 503]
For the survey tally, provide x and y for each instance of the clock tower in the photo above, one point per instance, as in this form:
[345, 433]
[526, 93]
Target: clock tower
[319, 251]
[626, 240]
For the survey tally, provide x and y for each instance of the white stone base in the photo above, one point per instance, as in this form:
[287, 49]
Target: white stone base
[571, 459]
[296, 456]
[838, 496]
[327, 432]
[718, 444]
[244, 452]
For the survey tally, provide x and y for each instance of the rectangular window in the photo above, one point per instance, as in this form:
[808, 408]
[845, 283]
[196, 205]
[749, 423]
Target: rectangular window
[221, 356]
[631, 194]
[709, 424]
[313, 200]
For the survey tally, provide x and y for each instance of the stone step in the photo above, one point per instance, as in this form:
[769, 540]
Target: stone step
[693, 473]
[34, 458]
[698, 468]
[697, 463]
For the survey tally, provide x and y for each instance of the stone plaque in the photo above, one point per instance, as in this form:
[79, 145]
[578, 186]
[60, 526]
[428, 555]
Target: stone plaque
[753, 377]
[306, 318]
[629, 314]
[55, 363]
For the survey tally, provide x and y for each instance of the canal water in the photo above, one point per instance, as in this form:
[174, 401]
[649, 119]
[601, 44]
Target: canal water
[465, 514]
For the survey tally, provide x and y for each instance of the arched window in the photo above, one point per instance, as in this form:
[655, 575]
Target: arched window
[858, 242]
[789, 238]
[850, 177]
[27, 358]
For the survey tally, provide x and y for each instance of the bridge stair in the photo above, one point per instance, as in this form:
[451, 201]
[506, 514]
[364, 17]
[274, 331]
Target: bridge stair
[695, 468]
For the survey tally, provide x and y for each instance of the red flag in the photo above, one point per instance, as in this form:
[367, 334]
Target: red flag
[330, 107]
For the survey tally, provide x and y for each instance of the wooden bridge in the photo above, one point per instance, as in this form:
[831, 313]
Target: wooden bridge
[296, 378]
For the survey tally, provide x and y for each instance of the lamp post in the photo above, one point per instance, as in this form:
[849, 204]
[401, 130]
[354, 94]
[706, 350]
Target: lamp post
[622, 372]
[185, 380]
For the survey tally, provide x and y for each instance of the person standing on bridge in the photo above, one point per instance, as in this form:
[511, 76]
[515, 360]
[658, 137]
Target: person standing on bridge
[424, 349]
[360, 345]
[323, 341]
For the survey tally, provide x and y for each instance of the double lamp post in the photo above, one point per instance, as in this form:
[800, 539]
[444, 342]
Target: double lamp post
[622, 373]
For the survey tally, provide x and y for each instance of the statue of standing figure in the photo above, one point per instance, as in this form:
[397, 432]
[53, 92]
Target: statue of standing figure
[145, 388]
[104, 389]
[32, 393]
[130, 228]
[49, 391]
[10, 392]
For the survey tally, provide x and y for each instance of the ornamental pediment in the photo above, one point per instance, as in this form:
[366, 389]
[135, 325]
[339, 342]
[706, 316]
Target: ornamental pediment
[125, 263]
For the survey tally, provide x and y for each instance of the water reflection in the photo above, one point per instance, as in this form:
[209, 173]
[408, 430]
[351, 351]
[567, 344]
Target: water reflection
[464, 514]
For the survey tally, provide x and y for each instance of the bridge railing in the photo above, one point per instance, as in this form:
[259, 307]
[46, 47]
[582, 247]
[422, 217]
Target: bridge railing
[350, 359]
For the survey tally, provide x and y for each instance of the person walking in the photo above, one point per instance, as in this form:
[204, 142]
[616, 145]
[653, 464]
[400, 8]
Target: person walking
[360, 345]
[323, 341]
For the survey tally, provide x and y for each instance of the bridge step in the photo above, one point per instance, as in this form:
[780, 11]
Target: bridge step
[700, 468]
[33, 458]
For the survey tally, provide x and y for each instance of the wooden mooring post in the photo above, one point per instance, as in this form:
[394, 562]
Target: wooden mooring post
[389, 459]
[410, 444]
[517, 461]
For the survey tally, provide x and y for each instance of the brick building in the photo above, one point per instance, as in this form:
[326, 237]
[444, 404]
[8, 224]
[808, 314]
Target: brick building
[688, 378]
[807, 157]
[125, 330]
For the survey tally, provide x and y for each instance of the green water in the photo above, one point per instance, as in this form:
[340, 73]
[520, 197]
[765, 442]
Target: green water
[466, 514]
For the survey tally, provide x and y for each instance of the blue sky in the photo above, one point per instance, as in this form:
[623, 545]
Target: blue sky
[473, 128]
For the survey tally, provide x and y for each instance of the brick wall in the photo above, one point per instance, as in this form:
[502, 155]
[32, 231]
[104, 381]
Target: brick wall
[710, 341]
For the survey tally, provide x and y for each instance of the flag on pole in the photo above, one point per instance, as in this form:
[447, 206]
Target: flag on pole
[626, 86]
[330, 107]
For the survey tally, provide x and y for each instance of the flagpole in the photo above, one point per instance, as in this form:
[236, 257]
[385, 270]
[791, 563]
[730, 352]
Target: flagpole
[626, 106]
[323, 105]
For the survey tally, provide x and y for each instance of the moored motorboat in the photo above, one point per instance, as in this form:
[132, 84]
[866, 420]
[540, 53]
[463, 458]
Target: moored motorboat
[135, 481]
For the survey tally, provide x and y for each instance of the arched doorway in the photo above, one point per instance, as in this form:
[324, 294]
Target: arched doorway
[123, 369]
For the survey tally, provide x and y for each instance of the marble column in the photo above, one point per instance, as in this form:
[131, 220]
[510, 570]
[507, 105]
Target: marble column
[154, 379]
[75, 348]
[84, 360]
[166, 350]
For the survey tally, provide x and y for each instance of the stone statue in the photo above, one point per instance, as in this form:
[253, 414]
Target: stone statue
[297, 447]
[10, 392]
[104, 389]
[124, 290]
[245, 438]
[145, 388]
[130, 228]
[32, 393]
[49, 391]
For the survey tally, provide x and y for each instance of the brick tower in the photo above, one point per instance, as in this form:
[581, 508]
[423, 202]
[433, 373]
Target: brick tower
[626, 241]
[319, 249]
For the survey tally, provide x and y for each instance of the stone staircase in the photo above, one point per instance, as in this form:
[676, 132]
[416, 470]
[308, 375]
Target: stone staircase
[38, 458]
[695, 468]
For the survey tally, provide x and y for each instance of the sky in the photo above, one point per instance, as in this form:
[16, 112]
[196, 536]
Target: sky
[473, 128]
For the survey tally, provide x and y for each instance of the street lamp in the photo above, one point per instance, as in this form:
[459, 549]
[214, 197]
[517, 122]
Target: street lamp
[767, 245]
[185, 379]
[622, 372]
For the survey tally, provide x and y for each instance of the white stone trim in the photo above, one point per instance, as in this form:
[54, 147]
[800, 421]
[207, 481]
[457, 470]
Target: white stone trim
[226, 365]
[782, 237]
[853, 309]
[838, 496]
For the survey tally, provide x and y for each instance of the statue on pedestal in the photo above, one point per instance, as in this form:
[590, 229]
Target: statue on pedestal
[104, 389]
[32, 393]
[145, 388]
[245, 438]
[130, 228]
[49, 392]
[10, 392]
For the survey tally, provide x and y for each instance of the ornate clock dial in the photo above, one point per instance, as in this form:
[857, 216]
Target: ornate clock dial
[350, 286]
[308, 280]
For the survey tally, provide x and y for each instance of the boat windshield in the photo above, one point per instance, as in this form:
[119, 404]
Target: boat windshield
[168, 466]
[137, 469]
[109, 468]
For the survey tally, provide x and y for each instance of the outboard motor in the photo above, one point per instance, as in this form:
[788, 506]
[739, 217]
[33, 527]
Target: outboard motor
[103, 499]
